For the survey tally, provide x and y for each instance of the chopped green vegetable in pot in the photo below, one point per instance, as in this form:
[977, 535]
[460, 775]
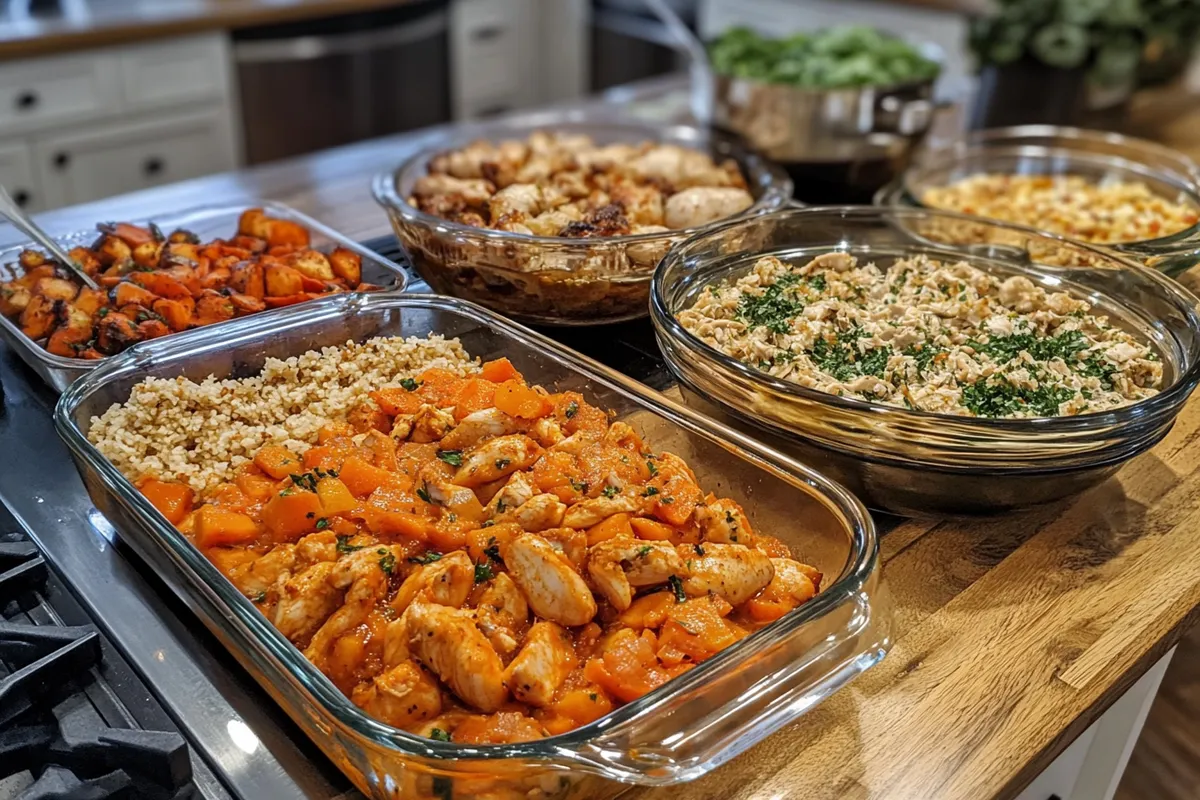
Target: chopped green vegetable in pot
[839, 57]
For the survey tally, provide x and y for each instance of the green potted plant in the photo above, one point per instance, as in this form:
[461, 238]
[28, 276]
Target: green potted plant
[1041, 59]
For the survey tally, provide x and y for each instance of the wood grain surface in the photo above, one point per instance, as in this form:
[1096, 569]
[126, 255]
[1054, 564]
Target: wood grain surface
[1011, 635]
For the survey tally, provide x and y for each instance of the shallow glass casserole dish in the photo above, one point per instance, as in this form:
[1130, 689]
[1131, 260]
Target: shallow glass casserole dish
[1098, 157]
[677, 732]
[915, 462]
[209, 222]
[547, 279]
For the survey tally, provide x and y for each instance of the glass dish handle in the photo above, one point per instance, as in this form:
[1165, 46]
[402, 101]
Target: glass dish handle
[705, 725]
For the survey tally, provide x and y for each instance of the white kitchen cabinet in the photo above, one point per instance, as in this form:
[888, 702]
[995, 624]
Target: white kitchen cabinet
[16, 175]
[123, 157]
[88, 125]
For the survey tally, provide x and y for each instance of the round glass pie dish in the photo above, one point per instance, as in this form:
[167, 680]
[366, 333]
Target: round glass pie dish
[915, 462]
[1097, 157]
[554, 280]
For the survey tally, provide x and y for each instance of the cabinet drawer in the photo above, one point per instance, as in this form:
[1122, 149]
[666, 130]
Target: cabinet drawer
[16, 175]
[122, 158]
[179, 71]
[59, 89]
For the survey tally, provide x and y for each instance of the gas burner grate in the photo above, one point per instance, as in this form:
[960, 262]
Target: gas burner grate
[56, 741]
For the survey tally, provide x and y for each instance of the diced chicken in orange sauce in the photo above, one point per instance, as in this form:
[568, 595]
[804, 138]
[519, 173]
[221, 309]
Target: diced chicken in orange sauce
[481, 561]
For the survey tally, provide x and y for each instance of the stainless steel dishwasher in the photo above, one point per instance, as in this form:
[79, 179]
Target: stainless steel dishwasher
[322, 83]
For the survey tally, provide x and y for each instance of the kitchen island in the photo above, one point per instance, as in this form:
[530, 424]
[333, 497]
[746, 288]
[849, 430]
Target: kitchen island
[1012, 636]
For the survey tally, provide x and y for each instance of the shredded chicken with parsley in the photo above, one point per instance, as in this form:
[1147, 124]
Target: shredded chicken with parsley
[925, 335]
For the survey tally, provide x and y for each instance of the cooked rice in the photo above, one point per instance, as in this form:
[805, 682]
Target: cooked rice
[200, 433]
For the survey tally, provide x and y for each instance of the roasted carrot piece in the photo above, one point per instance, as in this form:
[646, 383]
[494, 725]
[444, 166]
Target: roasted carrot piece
[291, 513]
[499, 371]
[216, 279]
[173, 500]
[518, 400]
[132, 235]
[189, 276]
[161, 284]
[218, 526]
[244, 304]
[39, 317]
[347, 265]
[153, 328]
[89, 301]
[251, 244]
[290, 300]
[277, 461]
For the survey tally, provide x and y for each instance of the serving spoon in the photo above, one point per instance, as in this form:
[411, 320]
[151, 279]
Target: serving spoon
[11, 211]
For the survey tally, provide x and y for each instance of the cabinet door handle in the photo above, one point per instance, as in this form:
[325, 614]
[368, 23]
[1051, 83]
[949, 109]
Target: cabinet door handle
[21, 197]
[62, 160]
[26, 101]
[153, 166]
[487, 33]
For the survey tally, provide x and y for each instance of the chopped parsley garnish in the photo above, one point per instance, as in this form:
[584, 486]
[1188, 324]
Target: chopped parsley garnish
[387, 561]
[423, 493]
[652, 467]
[1000, 399]
[483, 572]
[439, 735]
[492, 551]
[924, 354]
[322, 524]
[772, 309]
[1003, 349]
[677, 588]
[502, 463]
[841, 359]
[410, 384]
[451, 457]
[699, 549]
[344, 546]
[571, 410]
[644, 551]
[650, 491]
[489, 523]
[258, 598]
[579, 486]
[609, 491]
[427, 557]
[308, 480]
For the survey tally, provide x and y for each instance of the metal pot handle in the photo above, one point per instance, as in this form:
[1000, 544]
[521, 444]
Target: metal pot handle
[892, 113]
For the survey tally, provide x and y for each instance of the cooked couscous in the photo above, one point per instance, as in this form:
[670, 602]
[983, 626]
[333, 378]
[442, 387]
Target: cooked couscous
[200, 433]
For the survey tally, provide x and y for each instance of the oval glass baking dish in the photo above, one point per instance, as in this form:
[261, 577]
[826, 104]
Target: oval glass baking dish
[1098, 157]
[554, 280]
[915, 462]
[208, 222]
[678, 732]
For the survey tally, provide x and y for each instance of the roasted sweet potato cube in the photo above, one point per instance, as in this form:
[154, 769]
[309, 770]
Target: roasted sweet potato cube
[110, 249]
[131, 310]
[314, 286]
[216, 279]
[39, 317]
[347, 265]
[312, 263]
[244, 304]
[116, 332]
[248, 278]
[179, 253]
[72, 334]
[282, 281]
[89, 263]
[153, 328]
[282, 232]
[253, 222]
[161, 284]
[147, 254]
[176, 313]
[212, 307]
[56, 288]
[89, 301]
[31, 259]
[183, 236]
[36, 274]
[253, 244]
[127, 292]
[13, 298]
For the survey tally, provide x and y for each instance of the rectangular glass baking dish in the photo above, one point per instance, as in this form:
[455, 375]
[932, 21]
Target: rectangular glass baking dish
[208, 222]
[676, 733]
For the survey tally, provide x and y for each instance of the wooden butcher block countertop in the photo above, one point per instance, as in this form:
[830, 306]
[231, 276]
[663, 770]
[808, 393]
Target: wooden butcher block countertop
[1011, 635]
